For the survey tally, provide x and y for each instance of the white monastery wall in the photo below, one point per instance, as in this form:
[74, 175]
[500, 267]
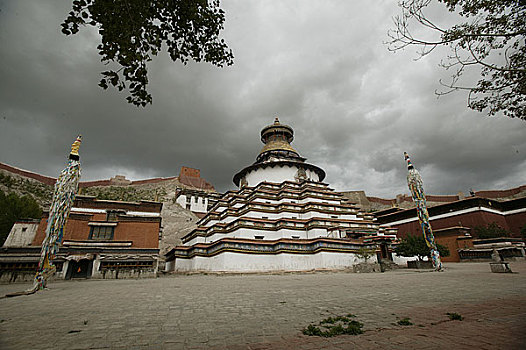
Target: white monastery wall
[297, 201]
[21, 234]
[197, 204]
[285, 214]
[238, 262]
[267, 235]
[402, 260]
[277, 174]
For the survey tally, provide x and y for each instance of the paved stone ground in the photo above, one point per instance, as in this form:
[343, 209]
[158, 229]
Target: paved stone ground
[269, 311]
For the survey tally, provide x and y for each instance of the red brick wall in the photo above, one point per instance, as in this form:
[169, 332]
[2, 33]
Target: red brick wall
[382, 200]
[471, 220]
[83, 184]
[87, 202]
[41, 231]
[453, 244]
[44, 179]
[452, 198]
[154, 180]
[138, 182]
[142, 234]
[516, 222]
[501, 193]
[190, 172]
[445, 199]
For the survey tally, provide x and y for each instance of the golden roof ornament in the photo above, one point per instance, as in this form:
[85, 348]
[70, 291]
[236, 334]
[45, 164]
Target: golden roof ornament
[74, 154]
[277, 137]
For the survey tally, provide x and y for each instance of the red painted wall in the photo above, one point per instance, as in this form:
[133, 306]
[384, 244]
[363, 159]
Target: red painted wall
[513, 223]
[142, 234]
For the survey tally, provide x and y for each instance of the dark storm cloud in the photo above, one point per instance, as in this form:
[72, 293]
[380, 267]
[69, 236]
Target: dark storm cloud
[320, 66]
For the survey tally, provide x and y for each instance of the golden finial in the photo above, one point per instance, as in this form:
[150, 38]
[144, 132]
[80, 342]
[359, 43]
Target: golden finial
[76, 145]
[276, 121]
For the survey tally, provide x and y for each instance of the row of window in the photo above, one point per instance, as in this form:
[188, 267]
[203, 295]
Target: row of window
[189, 200]
[262, 237]
[124, 264]
[25, 266]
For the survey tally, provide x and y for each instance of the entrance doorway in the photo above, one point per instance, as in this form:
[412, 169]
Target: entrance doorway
[79, 269]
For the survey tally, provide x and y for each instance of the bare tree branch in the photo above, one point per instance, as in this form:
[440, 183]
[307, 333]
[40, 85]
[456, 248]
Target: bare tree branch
[490, 39]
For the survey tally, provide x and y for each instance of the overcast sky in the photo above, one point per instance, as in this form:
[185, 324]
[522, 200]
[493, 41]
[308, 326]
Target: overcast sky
[321, 66]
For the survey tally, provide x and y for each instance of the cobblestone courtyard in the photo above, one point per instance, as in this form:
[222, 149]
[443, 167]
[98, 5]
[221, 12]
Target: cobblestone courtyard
[269, 311]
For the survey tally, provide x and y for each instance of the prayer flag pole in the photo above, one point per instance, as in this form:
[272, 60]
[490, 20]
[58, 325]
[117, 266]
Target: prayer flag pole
[64, 193]
[416, 186]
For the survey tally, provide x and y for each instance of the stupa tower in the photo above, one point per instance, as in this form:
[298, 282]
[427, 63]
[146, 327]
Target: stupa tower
[282, 217]
[278, 161]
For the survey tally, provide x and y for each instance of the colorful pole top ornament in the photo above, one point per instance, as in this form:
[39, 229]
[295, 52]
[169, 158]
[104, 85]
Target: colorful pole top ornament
[416, 186]
[74, 154]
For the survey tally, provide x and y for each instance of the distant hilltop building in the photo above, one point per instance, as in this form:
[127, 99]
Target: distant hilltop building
[283, 217]
[199, 198]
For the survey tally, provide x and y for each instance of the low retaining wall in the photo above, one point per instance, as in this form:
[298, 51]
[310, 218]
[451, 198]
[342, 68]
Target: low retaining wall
[239, 262]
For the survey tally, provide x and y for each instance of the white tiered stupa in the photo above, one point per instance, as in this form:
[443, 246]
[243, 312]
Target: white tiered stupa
[281, 218]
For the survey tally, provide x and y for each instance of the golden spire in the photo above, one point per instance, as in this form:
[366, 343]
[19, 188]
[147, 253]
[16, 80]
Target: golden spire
[75, 147]
[277, 137]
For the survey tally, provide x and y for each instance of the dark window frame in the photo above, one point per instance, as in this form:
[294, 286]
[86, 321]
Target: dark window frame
[95, 233]
[111, 216]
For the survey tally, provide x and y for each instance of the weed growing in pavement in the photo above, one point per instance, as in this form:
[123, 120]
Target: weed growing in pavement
[405, 322]
[454, 316]
[333, 326]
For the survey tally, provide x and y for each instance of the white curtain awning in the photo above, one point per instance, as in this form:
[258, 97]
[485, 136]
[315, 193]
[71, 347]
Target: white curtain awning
[77, 258]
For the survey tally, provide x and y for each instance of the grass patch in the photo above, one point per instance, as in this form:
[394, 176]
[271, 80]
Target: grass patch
[333, 326]
[453, 316]
[405, 322]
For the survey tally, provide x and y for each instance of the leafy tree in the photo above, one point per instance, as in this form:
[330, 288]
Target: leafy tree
[492, 230]
[132, 31]
[13, 208]
[488, 38]
[416, 246]
[365, 253]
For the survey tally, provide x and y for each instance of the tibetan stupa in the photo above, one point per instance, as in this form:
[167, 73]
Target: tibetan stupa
[282, 218]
